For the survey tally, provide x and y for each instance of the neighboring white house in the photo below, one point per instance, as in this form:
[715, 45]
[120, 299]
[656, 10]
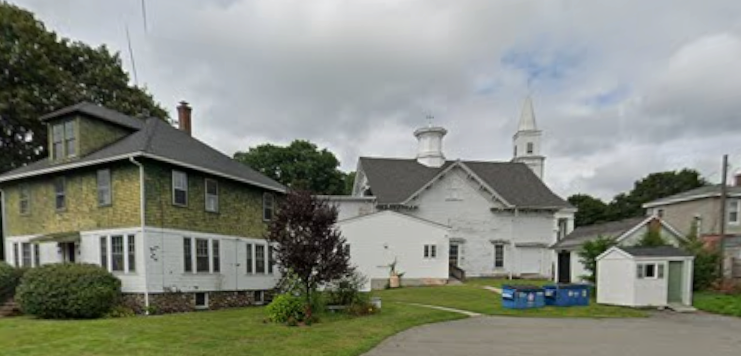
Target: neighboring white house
[419, 248]
[628, 232]
[644, 276]
[502, 217]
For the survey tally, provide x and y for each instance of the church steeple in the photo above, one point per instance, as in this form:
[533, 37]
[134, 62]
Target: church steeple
[526, 140]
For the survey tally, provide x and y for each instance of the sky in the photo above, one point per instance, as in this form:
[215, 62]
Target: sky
[621, 88]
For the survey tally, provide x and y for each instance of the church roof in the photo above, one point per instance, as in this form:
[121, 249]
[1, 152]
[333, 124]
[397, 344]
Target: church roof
[394, 180]
[527, 117]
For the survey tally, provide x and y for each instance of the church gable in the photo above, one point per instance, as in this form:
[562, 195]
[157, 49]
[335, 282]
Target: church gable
[457, 187]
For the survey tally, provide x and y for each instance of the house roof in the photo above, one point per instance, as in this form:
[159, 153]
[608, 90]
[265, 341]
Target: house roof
[380, 213]
[582, 234]
[158, 140]
[661, 251]
[394, 180]
[707, 191]
[98, 112]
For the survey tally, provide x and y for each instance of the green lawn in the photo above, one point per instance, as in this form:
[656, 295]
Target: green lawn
[718, 303]
[223, 333]
[472, 297]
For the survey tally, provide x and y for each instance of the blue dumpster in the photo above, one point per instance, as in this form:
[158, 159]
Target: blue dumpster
[566, 295]
[522, 297]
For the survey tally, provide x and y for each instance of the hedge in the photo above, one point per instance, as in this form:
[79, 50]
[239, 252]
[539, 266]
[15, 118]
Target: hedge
[68, 291]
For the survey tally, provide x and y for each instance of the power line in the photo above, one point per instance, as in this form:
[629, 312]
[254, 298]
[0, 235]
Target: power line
[131, 55]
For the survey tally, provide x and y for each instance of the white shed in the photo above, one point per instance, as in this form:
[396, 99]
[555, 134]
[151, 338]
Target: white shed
[645, 276]
[419, 247]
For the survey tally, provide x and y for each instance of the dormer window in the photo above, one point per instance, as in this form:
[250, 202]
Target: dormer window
[64, 140]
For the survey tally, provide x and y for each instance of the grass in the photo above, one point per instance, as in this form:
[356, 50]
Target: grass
[718, 303]
[472, 297]
[226, 332]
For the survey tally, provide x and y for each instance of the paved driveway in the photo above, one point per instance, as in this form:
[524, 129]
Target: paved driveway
[662, 334]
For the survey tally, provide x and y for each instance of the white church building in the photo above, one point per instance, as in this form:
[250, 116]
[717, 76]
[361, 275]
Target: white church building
[499, 218]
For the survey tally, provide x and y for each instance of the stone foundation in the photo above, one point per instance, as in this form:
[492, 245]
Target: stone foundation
[181, 302]
[382, 283]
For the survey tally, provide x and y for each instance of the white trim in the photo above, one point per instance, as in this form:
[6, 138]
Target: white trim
[738, 212]
[635, 228]
[173, 189]
[264, 206]
[4, 222]
[345, 198]
[387, 212]
[66, 167]
[469, 171]
[212, 172]
[686, 199]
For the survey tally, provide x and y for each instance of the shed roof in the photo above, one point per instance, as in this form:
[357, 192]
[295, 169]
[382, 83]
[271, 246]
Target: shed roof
[661, 251]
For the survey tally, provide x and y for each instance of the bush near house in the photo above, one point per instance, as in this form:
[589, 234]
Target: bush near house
[10, 277]
[589, 253]
[68, 291]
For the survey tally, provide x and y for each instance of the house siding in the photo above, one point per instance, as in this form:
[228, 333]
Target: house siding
[240, 205]
[97, 134]
[681, 216]
[82, 212]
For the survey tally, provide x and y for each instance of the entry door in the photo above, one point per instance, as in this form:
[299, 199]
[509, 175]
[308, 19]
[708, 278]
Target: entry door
[453, 254]
[69, 252]
[675, 282]
[564, 267]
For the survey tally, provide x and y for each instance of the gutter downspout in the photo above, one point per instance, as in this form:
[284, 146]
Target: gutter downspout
[4, 220]
[142, 218]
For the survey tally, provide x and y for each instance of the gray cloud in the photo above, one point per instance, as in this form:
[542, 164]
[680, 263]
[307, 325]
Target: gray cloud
[621, 88]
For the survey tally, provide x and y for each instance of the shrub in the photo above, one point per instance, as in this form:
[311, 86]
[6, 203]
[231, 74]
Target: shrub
[346, 290]
[286, 308]
[68, 291]
[361, 309]
[589, 253]
[120, 311]
[10, 277]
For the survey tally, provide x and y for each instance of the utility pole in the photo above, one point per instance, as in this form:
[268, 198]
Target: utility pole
[723, 217]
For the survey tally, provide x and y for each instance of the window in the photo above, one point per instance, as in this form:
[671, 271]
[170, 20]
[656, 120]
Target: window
[60, 193]
[660, 213]
[132, 253]
[202, 255]
[187, 255]
[57, 147]
[117, 253]
[267, 206]
[64, 140]
[259, 297]
[70, 140]
[212, 196]
[271, 261]
[499, 256]
[24, 201]
[179, 188]
[260, 258]
[201, 300]
[104, 187]
[650, 270]
[27, 258]
[515, 155]
[530, 148]
[563, 228]
[104, 252]
[430, 251]
[216, 256]
[733, 211]
[17, 254]
[36, 255]
[250, 259]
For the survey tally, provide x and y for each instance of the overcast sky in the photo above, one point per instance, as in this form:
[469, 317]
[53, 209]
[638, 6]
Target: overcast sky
[621, 88]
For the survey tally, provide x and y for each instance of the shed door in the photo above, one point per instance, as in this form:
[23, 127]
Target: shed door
[675, 282]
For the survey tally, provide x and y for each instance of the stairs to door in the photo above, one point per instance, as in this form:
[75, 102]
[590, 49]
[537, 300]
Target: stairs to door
[456, 274]
[9, 308]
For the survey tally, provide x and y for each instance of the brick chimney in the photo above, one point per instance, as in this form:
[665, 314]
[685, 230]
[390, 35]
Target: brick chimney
[655, 224]
[184, 121]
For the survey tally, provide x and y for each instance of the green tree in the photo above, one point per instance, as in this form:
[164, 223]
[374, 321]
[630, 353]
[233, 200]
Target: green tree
[300, 165]
[591, 210]
[652, 238]
[653, 186]
[589, 252]
[42, 72]
[349, 182]
[705, 271]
